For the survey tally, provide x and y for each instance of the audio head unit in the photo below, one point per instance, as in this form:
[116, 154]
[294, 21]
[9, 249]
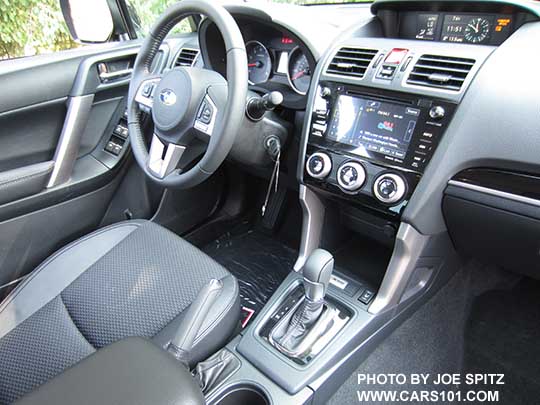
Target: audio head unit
[372, 146]
[395, 131]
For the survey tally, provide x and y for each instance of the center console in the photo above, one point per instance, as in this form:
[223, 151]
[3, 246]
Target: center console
[377, 111]
[371, 146]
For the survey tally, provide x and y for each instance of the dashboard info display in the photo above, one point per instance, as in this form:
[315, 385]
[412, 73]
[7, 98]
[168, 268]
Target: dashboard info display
[373, 126]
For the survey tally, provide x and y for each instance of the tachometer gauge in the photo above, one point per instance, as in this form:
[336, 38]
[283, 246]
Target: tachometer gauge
[477, 30]
[299, 72]
[259, 62]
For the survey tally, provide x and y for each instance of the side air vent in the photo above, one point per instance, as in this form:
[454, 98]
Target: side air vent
[186, 57]
[351, 62]
[444, 72]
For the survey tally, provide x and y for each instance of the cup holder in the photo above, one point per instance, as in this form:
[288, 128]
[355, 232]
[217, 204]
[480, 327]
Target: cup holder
[243, 394]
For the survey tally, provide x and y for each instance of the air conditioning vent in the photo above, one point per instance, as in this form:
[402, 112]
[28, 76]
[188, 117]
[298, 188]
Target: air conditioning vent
[351, 62]
[186, 57]
[444, 72]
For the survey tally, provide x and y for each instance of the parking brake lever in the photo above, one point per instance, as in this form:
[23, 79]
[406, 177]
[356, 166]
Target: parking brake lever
[182, 342]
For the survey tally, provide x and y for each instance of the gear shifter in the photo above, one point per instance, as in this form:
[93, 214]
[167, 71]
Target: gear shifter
[292, 338]
[317, 272]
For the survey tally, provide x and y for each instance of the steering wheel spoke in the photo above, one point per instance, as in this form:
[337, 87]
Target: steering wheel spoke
[146, 92]
[164, 158]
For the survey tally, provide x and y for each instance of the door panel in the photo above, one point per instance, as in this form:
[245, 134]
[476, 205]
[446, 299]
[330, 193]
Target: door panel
[29, 135]
[56, 176]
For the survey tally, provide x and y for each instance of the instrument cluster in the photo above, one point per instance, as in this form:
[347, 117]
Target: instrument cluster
[277, 61]
[279, 58]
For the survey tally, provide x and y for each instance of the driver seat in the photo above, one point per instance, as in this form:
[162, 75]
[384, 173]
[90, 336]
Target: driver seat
[134, 278]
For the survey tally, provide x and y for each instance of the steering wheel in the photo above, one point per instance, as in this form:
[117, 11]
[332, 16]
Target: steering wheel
[187, 103]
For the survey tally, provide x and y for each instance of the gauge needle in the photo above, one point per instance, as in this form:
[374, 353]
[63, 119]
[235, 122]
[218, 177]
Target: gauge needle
[476, 29]
[255, 64]
[298, 75]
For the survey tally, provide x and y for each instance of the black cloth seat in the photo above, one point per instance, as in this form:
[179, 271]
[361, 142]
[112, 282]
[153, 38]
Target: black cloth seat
[134, 278]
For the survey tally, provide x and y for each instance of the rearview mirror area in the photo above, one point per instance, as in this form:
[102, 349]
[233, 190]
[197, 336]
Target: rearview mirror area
[88, 21]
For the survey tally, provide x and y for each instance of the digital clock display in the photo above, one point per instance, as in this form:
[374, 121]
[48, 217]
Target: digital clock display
[477, 29]
[467, 29]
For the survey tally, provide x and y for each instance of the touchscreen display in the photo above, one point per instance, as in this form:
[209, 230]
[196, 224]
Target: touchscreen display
[373, 126]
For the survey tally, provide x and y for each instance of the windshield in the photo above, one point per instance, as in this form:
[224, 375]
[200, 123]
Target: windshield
[145, 12]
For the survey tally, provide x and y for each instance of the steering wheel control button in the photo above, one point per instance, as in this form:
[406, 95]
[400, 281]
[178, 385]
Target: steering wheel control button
[389, 188]
[351, 176]
[147, 89]
[206, 116]
[437, 112]
[319, 165]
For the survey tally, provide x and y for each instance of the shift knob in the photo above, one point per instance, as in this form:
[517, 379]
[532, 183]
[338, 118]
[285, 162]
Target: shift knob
[317, 272]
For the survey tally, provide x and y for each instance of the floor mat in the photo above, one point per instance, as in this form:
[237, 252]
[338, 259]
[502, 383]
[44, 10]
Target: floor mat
[502, 336]
[259, 262]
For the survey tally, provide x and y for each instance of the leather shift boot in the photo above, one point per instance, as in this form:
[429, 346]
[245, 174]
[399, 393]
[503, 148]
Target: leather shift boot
[300, 324]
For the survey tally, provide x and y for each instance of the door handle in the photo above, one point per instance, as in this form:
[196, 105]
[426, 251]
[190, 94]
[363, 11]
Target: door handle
[105, 76]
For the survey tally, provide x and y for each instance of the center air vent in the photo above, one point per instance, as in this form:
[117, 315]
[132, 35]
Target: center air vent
[444, 72]
[186, 57]
[351, 62]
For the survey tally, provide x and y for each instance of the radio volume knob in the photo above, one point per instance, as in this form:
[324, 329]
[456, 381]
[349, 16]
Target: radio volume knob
[319, 165]
[389, 188]
[437, 112]
[351, 176]
[326, 92]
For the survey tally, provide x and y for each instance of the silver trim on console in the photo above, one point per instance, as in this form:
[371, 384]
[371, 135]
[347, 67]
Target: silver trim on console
[407, 250]
[70, 139]
[496, 193]
[312, 223]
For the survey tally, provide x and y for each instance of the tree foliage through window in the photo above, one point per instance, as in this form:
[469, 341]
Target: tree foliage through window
[32, 27]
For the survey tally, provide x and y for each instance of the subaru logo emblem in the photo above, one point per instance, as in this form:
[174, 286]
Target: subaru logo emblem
[167, 97]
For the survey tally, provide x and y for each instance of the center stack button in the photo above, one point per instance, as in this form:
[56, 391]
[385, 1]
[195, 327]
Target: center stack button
[351, 176]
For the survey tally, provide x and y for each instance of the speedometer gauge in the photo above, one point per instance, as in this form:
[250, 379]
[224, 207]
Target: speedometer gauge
[259, 62]
[299, 72]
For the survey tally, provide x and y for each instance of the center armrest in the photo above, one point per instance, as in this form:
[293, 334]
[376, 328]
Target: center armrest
[131, 371]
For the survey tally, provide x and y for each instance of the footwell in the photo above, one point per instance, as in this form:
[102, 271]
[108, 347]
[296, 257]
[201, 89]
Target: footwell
[502, 337]
[259, 262]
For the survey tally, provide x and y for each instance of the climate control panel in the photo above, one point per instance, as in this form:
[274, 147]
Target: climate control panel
[358, 180]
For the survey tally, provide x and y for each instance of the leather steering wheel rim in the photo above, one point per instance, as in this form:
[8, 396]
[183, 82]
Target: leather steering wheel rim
[224, 134]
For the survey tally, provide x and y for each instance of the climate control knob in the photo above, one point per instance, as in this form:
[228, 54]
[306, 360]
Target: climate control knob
[351, 176]
[319, 165]
[389, 188]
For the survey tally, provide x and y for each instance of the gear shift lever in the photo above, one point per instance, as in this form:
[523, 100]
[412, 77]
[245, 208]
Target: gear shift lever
[292, 338]
[317, 272]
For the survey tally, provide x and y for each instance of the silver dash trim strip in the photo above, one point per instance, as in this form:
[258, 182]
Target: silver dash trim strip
[496, 193]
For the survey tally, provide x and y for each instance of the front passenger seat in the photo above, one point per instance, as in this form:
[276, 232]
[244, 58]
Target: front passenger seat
[134, 278]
